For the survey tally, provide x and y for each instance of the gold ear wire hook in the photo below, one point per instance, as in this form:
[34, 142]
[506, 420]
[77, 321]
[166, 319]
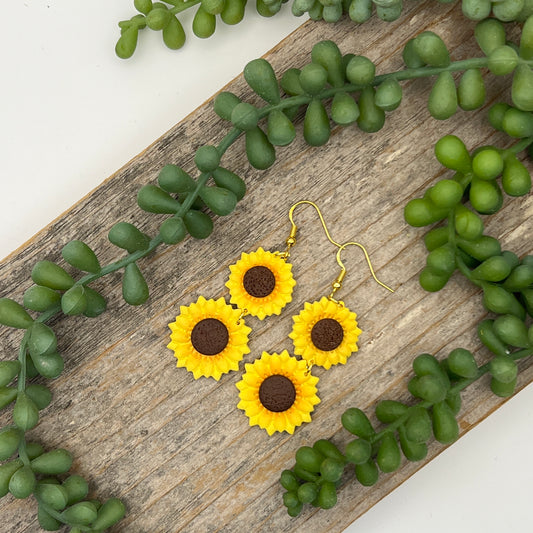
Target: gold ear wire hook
[291, 241]
[337, 284]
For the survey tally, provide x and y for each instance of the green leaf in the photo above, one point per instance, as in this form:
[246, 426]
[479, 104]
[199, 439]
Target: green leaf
[80, 256]
[74, 301]
[134, 287]
[12, 314]
[25, 412]
[51, 275]
[8, 371]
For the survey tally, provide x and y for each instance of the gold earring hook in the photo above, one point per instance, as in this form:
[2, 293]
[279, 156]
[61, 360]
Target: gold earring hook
[337, 284]
[291, 241]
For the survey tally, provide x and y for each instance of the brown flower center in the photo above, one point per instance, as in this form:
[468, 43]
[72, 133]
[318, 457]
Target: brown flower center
[259, 281]
[277, 393]
[327, 334]
[209, 336]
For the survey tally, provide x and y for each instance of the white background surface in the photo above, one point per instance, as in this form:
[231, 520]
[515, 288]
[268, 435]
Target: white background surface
[72, 113]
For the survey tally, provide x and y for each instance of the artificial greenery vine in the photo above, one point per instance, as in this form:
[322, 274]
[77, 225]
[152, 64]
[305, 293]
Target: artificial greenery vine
[162, 16]
[356, 95]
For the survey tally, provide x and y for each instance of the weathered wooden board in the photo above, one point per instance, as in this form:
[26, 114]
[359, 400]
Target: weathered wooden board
[177, 450]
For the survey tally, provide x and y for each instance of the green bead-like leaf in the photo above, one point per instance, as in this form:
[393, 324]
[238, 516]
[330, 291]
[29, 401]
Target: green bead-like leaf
[221, 201]
[388, 411]
[389, 95]
[9, 442]
[22, 482]
[526, 39]
[51, 275]
[261, 77]
[53, 495]
[80, 256]
[344, 109]
[6, 472]
[77, 489]
[357, 423]
[173, 230]
[431, 49]
[245, 116]
[418, 425]
[229, 180]
[110, 513]
[83, 514]
[207, 158]
[7, 395]
[522, 88]
[413, 451]
[504, 369]
[155, 200]
[290, 82]
[445, 427]
[49, 366]
[328, 55]
[74, 301]
[198, 224]
[389, 457]
[8, 371]
[40, 395]
[502, 389]
[371, 117]
[174, 179]
[46, 521]
[462, 363]
[52, 463]
[367, 473]
[127, 236]
[471, 91]
[280, 130]
[224, 103]
[25, 412]
[358, 451]
[134, 287]
[174, 34]
[259, 150]
[12, 314]
[429, 388]
[42, 340]
[490, 34]
[488, 337]
[327, 496]
[233, 11]
[203, 24]
[96, 303]
[317, 129]
[38, 298]
[127, 42]
[442, 102]
[309, 459]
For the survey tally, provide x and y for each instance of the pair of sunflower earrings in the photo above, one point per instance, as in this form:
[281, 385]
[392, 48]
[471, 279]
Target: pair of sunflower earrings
[277, 391]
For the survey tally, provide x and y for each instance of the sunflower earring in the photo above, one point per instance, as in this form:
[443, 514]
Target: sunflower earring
[278, 391]
[326, 332]
[209, 338]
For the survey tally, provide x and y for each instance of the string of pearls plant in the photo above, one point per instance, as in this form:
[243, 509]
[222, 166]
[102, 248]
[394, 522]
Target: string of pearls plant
[163, 16]
[346, 90]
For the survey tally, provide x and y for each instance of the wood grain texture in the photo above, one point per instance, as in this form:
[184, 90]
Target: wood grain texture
[178, 451]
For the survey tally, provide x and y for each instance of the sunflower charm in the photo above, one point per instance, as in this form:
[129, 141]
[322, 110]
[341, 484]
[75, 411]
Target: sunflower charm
[209, 338]
[261, 282]
[325, 333]
[277, 392]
